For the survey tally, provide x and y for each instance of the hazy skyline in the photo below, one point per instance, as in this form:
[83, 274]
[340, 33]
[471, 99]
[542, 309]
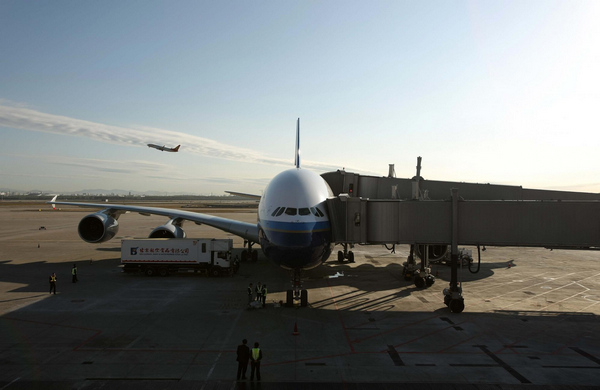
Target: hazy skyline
[500, 92]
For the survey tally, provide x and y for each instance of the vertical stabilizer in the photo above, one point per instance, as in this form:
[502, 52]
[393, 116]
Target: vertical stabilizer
[297, 160]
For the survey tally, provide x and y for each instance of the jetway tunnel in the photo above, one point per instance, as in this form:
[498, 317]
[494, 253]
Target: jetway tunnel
[371, 210]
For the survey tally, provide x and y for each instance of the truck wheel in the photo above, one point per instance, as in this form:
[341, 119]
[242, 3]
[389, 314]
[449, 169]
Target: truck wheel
[215, 271]
[163, 271]
[150, 271]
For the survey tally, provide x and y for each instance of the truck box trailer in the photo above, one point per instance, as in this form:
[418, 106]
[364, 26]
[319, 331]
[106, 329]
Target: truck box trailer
[162, 256]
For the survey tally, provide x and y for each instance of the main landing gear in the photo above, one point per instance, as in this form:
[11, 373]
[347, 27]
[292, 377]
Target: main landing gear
[249, 254]
[297, 293]
[346, 254]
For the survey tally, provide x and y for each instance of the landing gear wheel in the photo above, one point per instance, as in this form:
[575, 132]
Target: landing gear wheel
[351, 257]
[407, 275]
[244, 255]
[429, 280]
[289, 298]
[163, 271]
[340, 256]
[254, 256]
[457, 305]
[150, 271]
[304, 298]
[419, 281]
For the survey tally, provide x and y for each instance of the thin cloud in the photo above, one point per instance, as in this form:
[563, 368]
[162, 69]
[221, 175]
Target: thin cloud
[18, 117]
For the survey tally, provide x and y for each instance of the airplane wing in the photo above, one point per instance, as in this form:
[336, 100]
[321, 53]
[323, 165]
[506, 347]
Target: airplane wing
[244, 195]
[248, 231]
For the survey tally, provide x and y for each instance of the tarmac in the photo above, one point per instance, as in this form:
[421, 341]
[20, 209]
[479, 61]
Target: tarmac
[530, 318]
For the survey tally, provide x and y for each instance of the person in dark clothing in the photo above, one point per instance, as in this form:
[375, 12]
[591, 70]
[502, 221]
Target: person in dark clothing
[255, 358]
[74, 273]
[250, 292]
[53, 283]
[243, 355]
[264, 294]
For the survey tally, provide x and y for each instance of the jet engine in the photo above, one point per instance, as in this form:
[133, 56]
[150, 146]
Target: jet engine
[436, 252]
[97, 227]
[168, 230]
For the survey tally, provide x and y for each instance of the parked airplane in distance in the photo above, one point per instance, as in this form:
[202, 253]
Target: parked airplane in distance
[164, 148]
[293, 227]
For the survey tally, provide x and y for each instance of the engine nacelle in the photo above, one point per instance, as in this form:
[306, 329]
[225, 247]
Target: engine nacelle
[97, 227]
[436, 252]
[168, 230]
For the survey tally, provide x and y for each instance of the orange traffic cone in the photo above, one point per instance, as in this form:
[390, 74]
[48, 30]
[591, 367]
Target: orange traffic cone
[295, 333]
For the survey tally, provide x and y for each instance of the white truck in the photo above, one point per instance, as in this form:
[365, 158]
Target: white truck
[162, 256]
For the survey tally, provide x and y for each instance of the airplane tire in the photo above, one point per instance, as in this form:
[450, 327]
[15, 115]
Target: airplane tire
[254, 256]
[244, 255]
[304, 298]
[457, 305]
[289, 298]
[340, 256]
[351, 257]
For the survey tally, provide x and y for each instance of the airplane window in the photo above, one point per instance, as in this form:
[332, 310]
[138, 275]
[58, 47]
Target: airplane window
[275, 212]
[320, 213]
[314, 211]
[281, 210]
[291, 211]
[304, 211]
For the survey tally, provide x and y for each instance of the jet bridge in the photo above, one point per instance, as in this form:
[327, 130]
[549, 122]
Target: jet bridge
[386, 210]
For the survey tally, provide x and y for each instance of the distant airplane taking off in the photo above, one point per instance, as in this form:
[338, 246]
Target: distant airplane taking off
[164, 148]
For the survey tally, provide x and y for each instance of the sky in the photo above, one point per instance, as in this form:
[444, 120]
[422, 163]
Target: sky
[503, 92]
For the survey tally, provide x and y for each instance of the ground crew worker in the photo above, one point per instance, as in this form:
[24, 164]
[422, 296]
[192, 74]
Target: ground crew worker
[53, 283]
[249, 293]
[74, 273]
[243, 355]
[255, 357]
[264, 294]
[258, 292]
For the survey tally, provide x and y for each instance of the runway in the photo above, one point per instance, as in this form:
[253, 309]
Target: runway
[530, 318]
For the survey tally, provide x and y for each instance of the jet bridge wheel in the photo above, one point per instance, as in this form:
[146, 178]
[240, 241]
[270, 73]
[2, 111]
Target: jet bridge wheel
[457, 305]
[419, 281]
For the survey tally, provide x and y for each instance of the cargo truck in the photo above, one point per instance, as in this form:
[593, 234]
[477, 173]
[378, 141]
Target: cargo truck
[163, 256]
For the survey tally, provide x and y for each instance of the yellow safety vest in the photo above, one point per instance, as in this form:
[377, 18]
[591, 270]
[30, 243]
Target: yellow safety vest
[255, 353]
[53, 278]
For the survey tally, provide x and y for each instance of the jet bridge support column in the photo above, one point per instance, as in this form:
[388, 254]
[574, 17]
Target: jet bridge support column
[453, 295]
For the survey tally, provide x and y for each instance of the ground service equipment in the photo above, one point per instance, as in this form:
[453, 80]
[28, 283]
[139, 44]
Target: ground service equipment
[162, 256]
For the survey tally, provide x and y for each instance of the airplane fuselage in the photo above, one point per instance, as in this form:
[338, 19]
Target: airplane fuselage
[293, 226]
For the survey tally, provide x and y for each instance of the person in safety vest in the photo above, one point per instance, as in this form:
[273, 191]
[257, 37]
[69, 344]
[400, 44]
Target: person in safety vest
[53, 283]
[74, 273]
[264, 294]
[243, 355]
[258, 292]
[255, 357]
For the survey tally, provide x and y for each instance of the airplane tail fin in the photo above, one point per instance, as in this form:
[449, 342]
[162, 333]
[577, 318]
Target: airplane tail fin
[297, 159]
[54, 200]
[176, 148]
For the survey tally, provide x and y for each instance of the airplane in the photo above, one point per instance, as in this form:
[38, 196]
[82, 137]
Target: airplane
[293, 227]
[164, 148]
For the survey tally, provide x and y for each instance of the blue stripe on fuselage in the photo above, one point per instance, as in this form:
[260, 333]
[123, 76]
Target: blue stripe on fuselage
[296, 244]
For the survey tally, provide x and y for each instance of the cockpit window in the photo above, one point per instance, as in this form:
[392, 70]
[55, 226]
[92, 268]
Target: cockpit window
[281, 210]
[317, 212]
[304, 211]
[275, 212]
[291, 211]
